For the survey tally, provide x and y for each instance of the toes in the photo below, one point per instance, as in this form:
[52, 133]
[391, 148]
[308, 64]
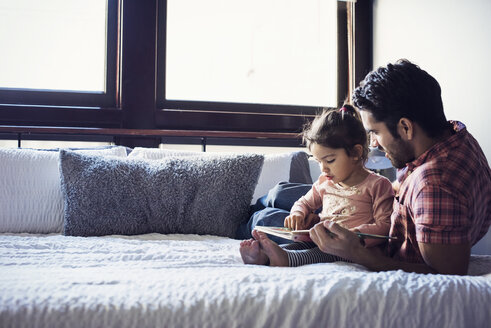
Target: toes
[246, 243]
[258, 235]
[263, 237]
[255, 244]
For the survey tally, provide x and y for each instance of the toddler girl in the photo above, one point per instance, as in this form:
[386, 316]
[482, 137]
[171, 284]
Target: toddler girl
[349, 194]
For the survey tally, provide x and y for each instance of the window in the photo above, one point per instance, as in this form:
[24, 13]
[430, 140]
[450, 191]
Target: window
[230, 65]
[243, 55]
[58, 52]
[252, 51]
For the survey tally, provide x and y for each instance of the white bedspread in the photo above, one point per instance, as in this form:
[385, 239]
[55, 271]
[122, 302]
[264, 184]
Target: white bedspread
[199, 281]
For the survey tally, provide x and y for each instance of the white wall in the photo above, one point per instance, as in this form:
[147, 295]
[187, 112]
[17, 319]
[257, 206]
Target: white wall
[451, 40]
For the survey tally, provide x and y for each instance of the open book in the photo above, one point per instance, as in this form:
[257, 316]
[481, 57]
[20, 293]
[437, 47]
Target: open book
[303, 235]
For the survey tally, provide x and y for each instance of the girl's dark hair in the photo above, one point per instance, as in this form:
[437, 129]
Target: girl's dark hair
[402, 90]
[337, 128]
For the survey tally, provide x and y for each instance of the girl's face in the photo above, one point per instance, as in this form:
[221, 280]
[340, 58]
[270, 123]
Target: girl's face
[337, 165]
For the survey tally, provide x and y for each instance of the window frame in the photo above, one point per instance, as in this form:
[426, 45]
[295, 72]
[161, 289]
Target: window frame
[135, 103]
[37, 97]
[210, 106]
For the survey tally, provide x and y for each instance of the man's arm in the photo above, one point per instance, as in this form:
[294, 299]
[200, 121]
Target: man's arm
[446, 259]
[439, 258]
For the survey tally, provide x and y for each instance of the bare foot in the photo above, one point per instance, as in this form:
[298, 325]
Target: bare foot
[277, 255]
[251, 252]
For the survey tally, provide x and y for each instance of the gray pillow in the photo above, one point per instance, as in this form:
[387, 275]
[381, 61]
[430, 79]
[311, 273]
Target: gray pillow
[190, 195]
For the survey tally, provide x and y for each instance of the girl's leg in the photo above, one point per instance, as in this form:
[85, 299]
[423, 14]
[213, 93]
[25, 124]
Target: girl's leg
[303, 256]
[277, 256]
[284, 194]
[298, 245]
[295, 254]
[251, 253]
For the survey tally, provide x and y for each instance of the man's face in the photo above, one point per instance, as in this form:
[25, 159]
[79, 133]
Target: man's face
[397, 150]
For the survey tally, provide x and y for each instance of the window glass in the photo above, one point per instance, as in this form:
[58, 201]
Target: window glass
[252, 51]
[53, 44]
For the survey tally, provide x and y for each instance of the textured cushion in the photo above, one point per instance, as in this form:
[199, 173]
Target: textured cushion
[291, 166]
[30, 194]
[192, 194]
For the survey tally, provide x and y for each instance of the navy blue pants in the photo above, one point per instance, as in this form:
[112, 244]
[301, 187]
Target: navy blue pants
[272, 209]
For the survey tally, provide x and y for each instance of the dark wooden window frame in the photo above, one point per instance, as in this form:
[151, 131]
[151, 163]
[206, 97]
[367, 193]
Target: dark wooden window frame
[137, 102]
[104, 99]
[239, 116]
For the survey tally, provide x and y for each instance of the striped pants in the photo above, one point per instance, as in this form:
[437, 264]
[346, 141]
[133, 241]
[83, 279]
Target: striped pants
[302, 253]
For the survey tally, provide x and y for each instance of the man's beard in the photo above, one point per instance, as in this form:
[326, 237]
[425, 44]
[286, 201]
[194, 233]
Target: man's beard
[400, 153]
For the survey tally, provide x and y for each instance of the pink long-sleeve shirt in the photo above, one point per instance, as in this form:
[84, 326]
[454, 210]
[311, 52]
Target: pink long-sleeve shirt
[366, 206]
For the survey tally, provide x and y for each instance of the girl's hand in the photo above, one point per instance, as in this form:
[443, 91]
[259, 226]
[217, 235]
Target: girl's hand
[296, 221]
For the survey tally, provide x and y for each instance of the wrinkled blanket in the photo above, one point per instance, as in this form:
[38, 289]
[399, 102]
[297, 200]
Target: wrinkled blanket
[156, 280]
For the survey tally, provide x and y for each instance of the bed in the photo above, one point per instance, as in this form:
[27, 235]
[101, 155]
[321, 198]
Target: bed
[65, 262]
[157, 280]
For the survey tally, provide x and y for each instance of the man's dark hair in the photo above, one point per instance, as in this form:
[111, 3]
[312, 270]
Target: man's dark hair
[401, 90]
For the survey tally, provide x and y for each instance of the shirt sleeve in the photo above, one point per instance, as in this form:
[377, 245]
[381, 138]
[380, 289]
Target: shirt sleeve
[382, 202]
[310, 202]
[439, 217]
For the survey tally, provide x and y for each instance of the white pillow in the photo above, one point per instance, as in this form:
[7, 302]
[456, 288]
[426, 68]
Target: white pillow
[276, 167]
[30, 193]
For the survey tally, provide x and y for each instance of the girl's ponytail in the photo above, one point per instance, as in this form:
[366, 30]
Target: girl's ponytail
[337, 128]
[347, 109]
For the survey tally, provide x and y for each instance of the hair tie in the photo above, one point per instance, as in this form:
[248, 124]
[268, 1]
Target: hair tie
[343, 109]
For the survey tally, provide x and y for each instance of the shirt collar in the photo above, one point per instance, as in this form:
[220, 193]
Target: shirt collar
[440, 147]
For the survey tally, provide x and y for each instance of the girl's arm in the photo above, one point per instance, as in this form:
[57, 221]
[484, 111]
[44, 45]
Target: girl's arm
[382, 203]
[310, 202]
[301, 214]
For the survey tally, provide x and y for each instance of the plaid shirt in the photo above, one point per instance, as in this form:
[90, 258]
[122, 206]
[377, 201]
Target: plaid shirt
[444, 197]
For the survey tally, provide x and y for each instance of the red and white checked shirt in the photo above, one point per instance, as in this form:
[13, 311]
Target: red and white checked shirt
[444, 197]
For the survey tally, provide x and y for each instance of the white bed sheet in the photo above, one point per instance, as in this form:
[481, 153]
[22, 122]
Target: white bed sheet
[199, 281]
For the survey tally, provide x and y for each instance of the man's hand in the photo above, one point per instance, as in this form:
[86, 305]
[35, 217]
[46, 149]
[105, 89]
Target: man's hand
[438, 258]
[333, 239]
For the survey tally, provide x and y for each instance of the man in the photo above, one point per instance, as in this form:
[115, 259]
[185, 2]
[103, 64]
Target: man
[443, 202]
